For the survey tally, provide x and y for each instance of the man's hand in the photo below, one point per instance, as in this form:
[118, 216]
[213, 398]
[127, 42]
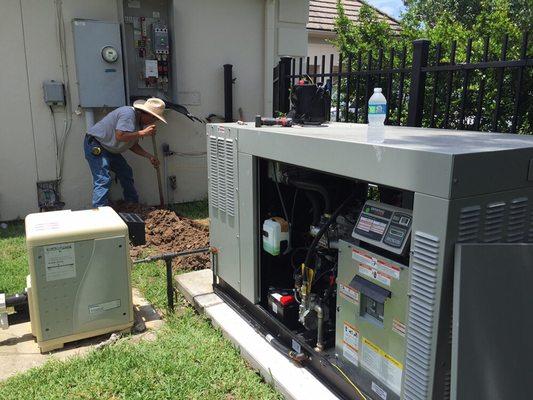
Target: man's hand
[150, 130]
[154, 161]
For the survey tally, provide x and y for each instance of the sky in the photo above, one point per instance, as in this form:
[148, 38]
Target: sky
[391, 7]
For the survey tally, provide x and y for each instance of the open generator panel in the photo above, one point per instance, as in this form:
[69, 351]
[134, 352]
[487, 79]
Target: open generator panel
[339, 278]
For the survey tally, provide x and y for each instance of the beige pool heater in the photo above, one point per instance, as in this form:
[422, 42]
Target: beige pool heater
[80, 275]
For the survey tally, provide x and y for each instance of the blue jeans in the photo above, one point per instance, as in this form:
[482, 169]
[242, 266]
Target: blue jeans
[101, 167]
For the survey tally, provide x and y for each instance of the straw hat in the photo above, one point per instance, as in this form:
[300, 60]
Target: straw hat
[153, 106]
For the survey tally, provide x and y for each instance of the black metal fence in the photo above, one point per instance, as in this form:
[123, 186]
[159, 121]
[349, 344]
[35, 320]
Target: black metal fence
[425, 85]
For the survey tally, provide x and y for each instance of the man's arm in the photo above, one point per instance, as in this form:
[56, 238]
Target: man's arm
[137, 149]
[122, 136]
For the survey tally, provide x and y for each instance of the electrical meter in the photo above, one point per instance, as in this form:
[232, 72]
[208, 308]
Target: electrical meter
[109, 54]
[384, 226]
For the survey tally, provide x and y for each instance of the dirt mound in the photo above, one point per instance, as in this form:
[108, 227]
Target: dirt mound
[167, 232]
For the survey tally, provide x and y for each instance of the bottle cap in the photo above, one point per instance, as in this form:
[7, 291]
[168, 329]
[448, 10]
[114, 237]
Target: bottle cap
[377, 90]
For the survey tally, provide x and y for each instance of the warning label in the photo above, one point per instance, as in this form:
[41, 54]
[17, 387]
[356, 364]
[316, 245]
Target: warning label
[59, 261]
[350, 354]
[349, 293]
[373, 273]
[351, 336]
[380, 270]
[382, 365]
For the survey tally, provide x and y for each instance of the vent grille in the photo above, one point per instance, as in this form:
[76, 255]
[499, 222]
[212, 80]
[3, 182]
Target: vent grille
[469, 223]
[222, 160]
[421, 316]
[516, 228]
[502, 221]
[494, 222]
[213, 171]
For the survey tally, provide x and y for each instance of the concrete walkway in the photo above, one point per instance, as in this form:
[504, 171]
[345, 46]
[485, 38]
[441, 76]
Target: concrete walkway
[19, 352]
[291, 380]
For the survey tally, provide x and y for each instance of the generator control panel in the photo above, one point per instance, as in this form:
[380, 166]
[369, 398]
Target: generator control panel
[384, 226]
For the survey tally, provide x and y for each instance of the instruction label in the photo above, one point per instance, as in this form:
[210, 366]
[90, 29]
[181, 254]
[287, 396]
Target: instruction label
[382, 365]
[349, 293]
[386, 269]
[373, 273]
[99, 308]
[398, 327]
[350, 354]
[59, 261]
[379, 391]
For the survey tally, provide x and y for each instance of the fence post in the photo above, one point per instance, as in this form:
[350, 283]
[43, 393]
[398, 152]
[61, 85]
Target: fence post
[284, 82]
[418, 81]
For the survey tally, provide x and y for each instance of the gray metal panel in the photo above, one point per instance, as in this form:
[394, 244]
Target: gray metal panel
[100, 84]
[420, 160]
[223, 202]
[492, 324]
[429, 269]
[248, 228]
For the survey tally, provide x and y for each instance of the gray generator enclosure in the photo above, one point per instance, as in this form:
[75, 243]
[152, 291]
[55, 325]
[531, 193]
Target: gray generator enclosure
[458, 187]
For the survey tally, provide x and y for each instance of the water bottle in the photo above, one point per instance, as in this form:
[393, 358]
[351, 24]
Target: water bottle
[377, 108]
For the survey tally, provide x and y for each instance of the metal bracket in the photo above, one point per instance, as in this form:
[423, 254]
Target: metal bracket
[4, 323]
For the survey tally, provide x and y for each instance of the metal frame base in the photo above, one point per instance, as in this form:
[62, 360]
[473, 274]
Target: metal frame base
[318, 364]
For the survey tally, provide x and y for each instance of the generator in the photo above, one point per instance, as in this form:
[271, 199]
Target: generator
[80, 275]
[405, 265]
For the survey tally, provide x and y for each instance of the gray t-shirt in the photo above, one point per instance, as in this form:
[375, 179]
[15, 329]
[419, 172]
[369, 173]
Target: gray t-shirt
[122, 119]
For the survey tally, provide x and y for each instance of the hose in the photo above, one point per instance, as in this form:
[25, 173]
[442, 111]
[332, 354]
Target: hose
[324, 228]
[315, 187]
[315, 204]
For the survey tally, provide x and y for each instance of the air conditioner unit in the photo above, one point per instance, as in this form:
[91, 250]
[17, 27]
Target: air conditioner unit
[79, 284]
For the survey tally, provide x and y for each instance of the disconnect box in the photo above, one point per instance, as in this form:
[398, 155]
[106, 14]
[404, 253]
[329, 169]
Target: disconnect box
[80, 283]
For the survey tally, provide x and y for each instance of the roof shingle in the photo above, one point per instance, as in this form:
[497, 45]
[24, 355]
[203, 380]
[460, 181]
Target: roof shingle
[322, 14]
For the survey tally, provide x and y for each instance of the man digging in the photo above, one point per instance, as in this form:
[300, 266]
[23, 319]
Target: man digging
[117, 132]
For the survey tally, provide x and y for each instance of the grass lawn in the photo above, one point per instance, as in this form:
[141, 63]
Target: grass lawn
[188, 360]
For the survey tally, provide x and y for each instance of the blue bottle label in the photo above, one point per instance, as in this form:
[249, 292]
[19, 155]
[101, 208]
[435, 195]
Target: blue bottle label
[377, 108]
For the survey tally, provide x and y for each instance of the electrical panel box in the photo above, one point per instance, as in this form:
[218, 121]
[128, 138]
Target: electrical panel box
[54, 93]
[99, 63]
[147, 42]
[373, 229]
[79, 284]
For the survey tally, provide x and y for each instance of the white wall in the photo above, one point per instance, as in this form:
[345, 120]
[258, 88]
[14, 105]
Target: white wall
[318, 45]
[206, 35]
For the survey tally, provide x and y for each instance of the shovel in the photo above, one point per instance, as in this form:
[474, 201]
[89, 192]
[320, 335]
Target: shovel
[158, 171]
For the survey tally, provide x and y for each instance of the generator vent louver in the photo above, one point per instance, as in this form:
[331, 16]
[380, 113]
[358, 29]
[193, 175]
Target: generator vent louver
[497, 222]
[422, 305]
[222, 174]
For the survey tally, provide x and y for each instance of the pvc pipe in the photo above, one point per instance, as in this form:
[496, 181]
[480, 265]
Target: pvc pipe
[89, 118]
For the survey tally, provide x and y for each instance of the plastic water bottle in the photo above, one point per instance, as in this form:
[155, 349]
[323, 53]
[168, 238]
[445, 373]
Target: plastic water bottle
[377, 108]
[377, 112]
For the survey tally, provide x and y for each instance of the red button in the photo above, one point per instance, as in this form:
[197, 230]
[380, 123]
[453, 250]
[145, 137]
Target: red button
[286, 300]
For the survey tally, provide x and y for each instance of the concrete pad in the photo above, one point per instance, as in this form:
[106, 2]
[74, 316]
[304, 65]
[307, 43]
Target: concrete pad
[19, 351]
[291, 380]
[197, 288]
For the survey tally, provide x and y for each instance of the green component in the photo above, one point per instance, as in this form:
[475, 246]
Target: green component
[371, 317]
[274, 250]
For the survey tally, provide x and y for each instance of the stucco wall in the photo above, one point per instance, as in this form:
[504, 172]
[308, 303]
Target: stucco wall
[206, 34]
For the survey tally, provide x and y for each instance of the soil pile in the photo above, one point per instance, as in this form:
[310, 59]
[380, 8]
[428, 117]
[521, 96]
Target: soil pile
[167, 232]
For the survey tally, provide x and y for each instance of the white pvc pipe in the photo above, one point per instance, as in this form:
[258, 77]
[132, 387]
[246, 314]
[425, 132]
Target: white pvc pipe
[89, 118]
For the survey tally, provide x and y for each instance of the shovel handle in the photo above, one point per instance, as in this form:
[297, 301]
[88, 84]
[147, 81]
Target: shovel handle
[158, 172]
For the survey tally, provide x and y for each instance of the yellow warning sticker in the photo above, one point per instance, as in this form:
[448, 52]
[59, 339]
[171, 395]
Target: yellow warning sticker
[382, 365]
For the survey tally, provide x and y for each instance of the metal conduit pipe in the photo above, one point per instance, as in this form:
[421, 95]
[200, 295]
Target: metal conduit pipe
[315, 187]
[320, 328]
